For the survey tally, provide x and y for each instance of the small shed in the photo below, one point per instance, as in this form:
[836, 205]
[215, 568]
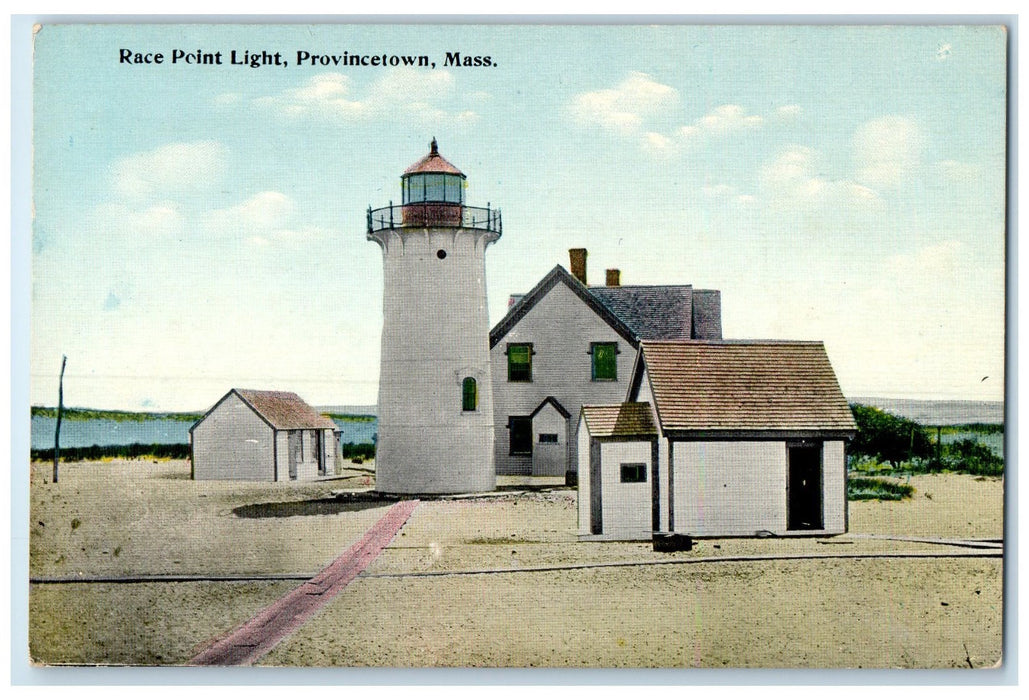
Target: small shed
[747, 438]
[254, 435]
[620, 445]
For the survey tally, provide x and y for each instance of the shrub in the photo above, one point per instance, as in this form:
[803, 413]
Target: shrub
[865, 489]
[972, 457]
[888, 437]
[364, 450]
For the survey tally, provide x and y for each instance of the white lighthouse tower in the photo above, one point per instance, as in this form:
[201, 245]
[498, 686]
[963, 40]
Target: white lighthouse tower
[435, 390]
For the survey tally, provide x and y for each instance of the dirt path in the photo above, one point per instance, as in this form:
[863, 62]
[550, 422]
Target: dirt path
[256, 637]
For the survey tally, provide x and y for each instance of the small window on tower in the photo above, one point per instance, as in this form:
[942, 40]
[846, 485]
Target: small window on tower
[605, 361]
[519, 362]
[469, 394]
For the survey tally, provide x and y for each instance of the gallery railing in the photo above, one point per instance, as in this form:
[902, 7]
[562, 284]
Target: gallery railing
[423, 214]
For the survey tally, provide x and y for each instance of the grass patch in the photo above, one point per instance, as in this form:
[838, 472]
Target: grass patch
[97, 452]
[119, 416]
[501, 540]
[983, 428]
[869, 489]
[351, 417]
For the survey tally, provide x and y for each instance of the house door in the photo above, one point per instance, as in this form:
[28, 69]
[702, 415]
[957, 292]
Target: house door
[295, 449]
[550, 453]
[804, 499]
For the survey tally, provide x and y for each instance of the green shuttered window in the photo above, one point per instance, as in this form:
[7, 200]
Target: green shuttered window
[605, 361]
[519, 362]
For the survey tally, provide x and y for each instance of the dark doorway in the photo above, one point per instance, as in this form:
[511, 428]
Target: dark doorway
[295, 445]
[596, 497]
[804, 504]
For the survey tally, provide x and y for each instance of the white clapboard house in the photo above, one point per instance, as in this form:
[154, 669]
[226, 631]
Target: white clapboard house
[565, 344]
[263, 436]
[717, 439]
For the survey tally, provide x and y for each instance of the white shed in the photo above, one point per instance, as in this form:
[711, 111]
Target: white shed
[748, 440]
[262, 436]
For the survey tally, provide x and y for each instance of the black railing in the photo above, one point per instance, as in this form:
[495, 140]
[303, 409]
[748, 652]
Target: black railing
[429, 214]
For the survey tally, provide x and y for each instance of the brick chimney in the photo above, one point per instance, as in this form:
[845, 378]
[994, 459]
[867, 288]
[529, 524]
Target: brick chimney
[614, 278]
[577, 257]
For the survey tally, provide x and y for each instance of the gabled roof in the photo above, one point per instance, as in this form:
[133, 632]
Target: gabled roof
[553, 402]
[558, 275]
[652, 312]
[282, 410]
[742, 386]
[620, 420]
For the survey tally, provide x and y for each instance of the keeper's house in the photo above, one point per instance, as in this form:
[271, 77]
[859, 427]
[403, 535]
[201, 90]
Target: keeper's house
[262, 436]
[718, 439]
[565, 344]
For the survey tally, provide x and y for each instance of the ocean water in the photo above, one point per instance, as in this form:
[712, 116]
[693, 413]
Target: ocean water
[85, 433]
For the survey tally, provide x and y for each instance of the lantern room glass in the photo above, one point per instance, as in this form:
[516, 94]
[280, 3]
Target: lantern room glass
[433, 187]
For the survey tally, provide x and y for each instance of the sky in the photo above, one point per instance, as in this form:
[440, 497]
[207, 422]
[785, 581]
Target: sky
[202, 227]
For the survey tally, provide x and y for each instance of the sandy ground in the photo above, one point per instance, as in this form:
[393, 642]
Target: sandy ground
[135, 517]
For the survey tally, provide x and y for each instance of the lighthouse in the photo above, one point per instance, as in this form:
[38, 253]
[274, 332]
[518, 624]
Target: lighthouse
[435, 417]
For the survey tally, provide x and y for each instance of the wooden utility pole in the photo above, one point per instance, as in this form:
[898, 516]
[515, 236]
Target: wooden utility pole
[60, 410]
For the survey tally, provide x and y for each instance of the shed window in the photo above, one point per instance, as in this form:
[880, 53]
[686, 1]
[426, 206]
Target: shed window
[605, 361]
[519, 362]
[521, 435]
[548, 437]
[469, 394]
[634, 473]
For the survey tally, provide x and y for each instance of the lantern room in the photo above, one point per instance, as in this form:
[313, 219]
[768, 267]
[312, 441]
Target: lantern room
[433, 179]
[433, 197]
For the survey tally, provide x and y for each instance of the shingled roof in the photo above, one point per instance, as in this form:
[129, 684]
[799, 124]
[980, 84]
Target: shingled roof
[284, 410]
[735, 386]
[556, 276]
[620, 420]
[652, 312]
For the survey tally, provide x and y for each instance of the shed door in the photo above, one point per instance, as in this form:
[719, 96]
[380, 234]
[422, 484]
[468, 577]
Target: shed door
[804, 500]
[316, 447]
[295, 447]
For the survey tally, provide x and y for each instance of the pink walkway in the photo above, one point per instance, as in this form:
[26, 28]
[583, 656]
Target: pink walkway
[258, 636]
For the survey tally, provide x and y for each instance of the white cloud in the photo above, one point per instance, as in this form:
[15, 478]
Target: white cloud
[262, 219]
[728, 118]
[625, 107]
[887, 150]
[794, 177]
[171, 170]
[957, 171]
[228, 99]
[419, 95]
[939, 263]
[656, 141]
[788, 112]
